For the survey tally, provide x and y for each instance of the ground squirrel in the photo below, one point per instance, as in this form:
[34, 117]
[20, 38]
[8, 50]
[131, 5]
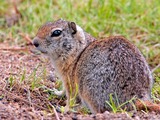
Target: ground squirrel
[98, 67]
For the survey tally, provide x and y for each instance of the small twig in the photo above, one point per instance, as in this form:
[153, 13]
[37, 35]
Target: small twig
[16, 9]
[54, 110]
[29, 96]
[155, 68]
[26, 37]
[14, 49]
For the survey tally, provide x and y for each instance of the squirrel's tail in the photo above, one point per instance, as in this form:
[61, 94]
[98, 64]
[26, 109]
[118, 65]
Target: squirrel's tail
[147, 106]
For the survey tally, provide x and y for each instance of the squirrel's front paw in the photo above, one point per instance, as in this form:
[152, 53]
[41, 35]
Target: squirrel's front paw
[58, 93]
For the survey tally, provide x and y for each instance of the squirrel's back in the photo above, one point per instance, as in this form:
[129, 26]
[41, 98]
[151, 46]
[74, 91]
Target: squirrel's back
[112, 66]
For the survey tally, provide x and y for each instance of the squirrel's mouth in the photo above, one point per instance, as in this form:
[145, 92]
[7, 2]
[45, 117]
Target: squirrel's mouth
[44, 52]
[41, 50]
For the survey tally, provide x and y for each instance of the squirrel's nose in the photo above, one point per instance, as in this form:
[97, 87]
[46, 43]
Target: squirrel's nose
[35, 43]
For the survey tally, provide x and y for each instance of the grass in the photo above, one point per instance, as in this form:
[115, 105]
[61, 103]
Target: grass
[137, 20]
[116, 107]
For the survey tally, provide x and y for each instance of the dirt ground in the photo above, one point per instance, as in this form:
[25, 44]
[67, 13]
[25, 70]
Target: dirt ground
[19, 101]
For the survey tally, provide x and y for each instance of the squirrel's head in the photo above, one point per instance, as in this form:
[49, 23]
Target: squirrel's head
[60, 39]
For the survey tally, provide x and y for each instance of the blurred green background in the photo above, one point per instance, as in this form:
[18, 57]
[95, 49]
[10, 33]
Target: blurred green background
[137, 20]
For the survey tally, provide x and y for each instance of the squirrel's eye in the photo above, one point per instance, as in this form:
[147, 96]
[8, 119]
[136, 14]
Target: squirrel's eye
[56, 33]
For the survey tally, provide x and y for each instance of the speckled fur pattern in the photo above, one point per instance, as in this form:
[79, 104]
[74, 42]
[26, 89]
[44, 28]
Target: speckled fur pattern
[112, 66]
[98, 67]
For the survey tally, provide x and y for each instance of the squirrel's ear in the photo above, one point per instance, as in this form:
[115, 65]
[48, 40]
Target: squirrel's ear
[72, 26]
